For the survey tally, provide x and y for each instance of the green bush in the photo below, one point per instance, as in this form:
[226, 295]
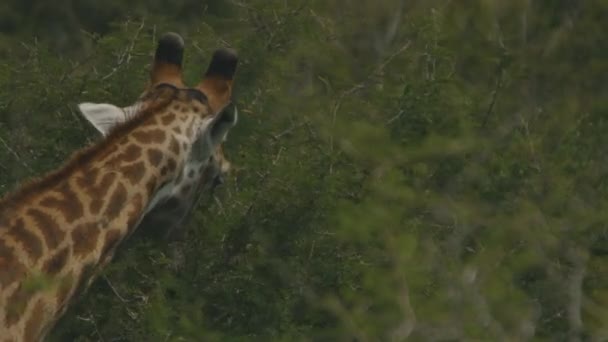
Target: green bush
[424, 169]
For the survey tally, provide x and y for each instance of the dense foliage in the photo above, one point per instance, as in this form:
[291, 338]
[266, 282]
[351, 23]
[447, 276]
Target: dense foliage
[426, 169]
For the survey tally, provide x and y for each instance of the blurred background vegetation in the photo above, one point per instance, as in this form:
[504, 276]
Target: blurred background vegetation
[422, 170]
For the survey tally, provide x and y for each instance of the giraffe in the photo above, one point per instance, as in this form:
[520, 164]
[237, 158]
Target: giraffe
[176, 208]
[59, 231]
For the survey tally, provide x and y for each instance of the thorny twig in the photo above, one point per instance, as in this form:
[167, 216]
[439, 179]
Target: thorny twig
[497, 87]
[125, 56]
[91, 320]
[219, 204]
[526, 126]
[75, 67]
[113, 289]
[396, 117]
[345, 315]
[378, 70]
[280, 22]
[288, 130]
[276, 159]
[15, 154]
[575, 285]
[367, 79]
[405, 329]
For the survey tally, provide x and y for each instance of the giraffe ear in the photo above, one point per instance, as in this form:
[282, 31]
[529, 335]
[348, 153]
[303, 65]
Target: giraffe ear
[214, 134]
[104, 116]
[222, 123]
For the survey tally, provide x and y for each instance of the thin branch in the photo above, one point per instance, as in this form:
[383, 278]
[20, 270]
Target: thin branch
[312, 249]
[15, 154]
[378, 70]
[219, 204]
[91, 320]
[575, 292]
[125, 56]
[361, 85]
[405, 329]
[276, 158]
[288, 130]
[497, 87]
[113, 289]
[396, 117]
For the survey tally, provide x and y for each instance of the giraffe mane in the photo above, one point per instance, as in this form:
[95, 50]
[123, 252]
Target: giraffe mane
[81, 157]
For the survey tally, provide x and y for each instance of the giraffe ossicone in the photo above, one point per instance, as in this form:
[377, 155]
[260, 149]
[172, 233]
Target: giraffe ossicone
[154, 159]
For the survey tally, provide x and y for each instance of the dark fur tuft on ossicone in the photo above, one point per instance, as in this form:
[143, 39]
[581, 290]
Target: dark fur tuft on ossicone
[170, 49]
[223, 64]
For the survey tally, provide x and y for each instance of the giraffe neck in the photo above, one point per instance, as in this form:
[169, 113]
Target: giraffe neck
[55, 239]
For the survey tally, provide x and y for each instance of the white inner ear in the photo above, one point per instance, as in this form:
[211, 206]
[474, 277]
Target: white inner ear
[105, 116]
[213, 134]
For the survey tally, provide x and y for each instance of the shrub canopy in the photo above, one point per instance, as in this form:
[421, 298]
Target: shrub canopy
[425, 169]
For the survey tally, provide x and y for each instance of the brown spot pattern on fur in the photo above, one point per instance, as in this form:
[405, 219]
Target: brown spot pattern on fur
[177, 129]
[131, 153]
[86, 273]
[150, 122]
[190, 131]
[116, 202]
[87, 178]
[108, 154]
[16, 305]
[69, 205]
[56, 262]
[128, 155]
[84, 238]
[33, 326]
[151, 186]
[10, 268]
[155, 157]
[168, 118]
[137, 205]
[172, 164]
[174, 146]
[28, 240]
[112, 239]
[95, 206]
[134, 172]
[97, 192]
[65, 287]
[151, 136]
[53, 235]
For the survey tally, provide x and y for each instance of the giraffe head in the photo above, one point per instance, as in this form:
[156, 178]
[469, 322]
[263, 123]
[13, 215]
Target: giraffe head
[208, 108]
